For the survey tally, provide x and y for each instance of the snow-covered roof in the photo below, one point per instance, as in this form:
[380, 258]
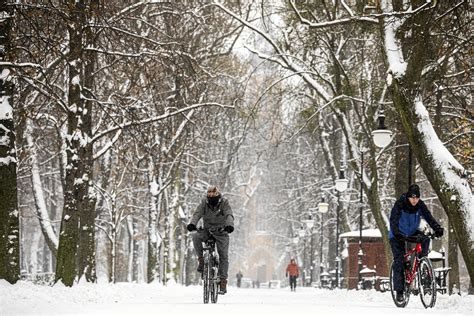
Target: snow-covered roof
[435, 255]
[367, 270]
[374, 233]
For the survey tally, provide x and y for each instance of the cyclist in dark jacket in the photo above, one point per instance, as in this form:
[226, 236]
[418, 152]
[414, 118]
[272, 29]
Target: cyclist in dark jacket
[217, 217]
[405, 220]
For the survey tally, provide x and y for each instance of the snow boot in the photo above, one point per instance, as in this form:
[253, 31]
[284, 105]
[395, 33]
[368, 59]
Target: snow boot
[223, 286]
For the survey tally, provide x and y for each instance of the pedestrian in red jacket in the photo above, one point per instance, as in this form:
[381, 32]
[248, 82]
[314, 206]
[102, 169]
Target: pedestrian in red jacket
[292, 272]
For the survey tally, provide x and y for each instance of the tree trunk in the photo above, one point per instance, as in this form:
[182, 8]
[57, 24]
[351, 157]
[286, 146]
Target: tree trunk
[401, 161]
[78, 223]
[38, 193]
[453, 262]
[9, 216]
[152, 262]
[69, 237]
[86, 251]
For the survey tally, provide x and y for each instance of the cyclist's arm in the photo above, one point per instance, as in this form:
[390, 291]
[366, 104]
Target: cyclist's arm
[198, 213]
[229, 216]
[395, 218]
[428, 217]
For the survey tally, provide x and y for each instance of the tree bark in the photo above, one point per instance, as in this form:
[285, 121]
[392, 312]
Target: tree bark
[9, 215]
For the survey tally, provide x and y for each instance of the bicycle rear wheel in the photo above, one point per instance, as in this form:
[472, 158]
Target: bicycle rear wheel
[406, 294]
[426, 283]
[206, 278]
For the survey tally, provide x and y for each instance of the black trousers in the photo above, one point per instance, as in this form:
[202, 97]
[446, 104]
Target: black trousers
[398, 251]
[293, 282]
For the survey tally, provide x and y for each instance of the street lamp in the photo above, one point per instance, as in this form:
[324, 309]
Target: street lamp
[382, 136]
[301, 232]
[323, 207]
[341, 186]
[341, 183]
[309, 222]
[296, 239]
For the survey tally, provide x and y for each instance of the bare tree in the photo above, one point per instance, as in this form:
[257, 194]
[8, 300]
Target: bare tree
[9, 215]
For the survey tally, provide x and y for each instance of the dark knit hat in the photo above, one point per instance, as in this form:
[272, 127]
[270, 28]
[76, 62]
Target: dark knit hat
[413, 191]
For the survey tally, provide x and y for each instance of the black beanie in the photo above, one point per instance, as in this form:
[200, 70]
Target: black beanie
[413, 191]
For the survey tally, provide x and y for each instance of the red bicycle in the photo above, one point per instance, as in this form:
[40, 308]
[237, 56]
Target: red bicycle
[419, 275]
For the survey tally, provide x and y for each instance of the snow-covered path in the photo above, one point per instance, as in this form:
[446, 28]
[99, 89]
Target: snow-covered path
[143, 299]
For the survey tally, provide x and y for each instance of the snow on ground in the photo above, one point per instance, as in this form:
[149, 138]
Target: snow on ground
[154, 299]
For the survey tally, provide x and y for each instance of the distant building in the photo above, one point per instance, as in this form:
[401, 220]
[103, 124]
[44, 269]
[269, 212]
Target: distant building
[373, 258]
[258, 260]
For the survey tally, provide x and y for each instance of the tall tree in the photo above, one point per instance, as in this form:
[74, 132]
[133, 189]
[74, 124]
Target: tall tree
[9, 216]
[76, 255]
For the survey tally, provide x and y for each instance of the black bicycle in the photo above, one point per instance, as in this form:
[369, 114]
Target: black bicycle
[210, 279]
[419, 275]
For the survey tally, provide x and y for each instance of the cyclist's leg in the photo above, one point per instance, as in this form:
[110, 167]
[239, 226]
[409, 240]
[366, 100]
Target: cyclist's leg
[425, 247]
[198, 238]
[398, 250]
[222, 243]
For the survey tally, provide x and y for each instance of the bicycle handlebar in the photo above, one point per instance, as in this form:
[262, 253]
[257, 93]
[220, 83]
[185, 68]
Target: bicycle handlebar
[419, 238]
[211, 230]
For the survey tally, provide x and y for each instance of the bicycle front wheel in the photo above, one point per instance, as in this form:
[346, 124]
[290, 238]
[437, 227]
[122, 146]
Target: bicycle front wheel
[214, 285]
[426, 283]
[206, 278]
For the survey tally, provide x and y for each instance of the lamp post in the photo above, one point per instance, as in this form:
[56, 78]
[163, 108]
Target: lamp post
[323, 208]
[360, 253]
[309, 222]
[382, 137]
[301, 235]
[341, 186]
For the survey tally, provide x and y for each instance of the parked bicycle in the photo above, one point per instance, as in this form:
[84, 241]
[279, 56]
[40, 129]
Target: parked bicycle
[210, 280]
[419, 275]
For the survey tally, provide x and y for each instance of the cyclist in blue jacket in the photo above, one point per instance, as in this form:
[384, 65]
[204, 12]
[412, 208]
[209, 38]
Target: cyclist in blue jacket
[405, 219]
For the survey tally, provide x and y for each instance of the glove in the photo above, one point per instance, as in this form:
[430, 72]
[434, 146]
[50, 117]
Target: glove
[191, 227]
[229, 229]
[438, 232]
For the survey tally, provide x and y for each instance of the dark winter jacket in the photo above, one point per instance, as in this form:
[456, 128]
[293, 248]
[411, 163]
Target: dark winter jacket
[405, 218]
[214, 216]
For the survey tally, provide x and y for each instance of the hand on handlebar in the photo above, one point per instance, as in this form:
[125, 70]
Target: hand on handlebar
[191, 227]
[229, 229]
[438, 232]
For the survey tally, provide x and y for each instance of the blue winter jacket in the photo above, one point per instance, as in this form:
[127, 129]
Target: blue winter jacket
[405, 218]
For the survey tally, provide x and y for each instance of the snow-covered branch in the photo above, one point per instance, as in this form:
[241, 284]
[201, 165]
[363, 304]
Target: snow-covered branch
[157, 118]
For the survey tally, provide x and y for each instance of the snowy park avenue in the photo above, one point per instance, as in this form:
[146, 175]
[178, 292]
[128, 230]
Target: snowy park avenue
[156, 299]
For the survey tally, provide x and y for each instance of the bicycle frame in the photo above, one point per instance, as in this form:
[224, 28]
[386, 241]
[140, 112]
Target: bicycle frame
[410, 277]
